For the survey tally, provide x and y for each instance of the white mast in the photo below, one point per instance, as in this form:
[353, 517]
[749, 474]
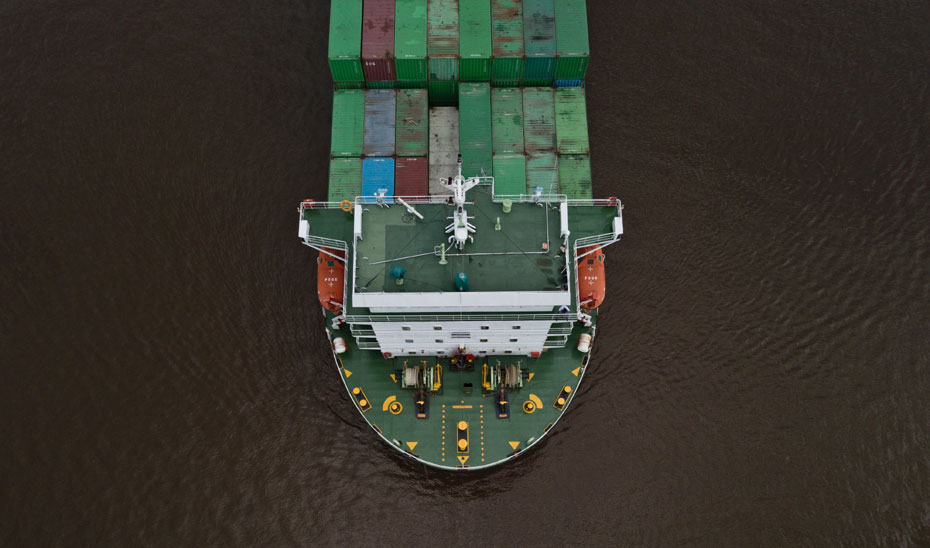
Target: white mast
[460, 228]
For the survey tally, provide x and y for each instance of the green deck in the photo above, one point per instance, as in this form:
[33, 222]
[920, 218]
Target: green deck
[390, 234]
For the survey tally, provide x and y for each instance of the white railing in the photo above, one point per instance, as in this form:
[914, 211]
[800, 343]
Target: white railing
[320, 241]
[364, 319]
[595, 240]
[519, 198]
[594, 202]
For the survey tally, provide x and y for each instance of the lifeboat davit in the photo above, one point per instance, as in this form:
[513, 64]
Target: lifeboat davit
[591, 283]
[330, 279]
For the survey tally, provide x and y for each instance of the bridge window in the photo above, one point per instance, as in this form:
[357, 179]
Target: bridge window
[485, 327]
[484, 340]
[437, 328]
[513, 340]
[439, 340]
[409, 341]
[405, 327]
[516, 327]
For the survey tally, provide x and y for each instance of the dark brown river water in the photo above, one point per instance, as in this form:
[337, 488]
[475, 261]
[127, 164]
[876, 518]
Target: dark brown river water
[762, 376]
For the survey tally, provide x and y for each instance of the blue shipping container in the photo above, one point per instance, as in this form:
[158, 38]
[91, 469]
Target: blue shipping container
[380, 107]
[377, 177]
[567, 83]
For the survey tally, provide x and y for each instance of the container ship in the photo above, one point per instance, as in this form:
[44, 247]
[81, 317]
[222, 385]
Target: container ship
[460, 251]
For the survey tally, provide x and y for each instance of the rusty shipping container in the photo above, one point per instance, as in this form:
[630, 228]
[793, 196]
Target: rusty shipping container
[411, 176]
[378, 41]
[506, 42]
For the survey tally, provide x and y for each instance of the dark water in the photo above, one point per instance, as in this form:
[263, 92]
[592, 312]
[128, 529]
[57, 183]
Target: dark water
[762, 372]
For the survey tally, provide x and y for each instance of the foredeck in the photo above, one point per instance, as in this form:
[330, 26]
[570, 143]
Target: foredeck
[491, 439]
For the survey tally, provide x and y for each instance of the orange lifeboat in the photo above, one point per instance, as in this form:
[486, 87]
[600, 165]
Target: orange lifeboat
[330, 279]
[591, 283]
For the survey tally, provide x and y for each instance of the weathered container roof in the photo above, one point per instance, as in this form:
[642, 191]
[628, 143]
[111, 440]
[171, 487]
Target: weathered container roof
[507, 120]
[475, 28]
[348, 126]
[571, 27]
[345, 29]
[571, 121]
[507, 28]
[410, 29]
[539, 27]
[442, 28]
[378, 29]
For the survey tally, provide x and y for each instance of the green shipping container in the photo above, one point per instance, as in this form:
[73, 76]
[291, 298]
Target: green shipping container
[345, 179]
[571, 121]
[509, 174]
[412, 123]
[443, 69]
[542, 170]
[410, 43]
[475, 128]
[571, 39]
[475, 36]
[575, 176]
[539, 42]
[349, 85]
[538, 119]
[442, 28]
[442, 47]
[507, 120]
[348, 131]
[506, 42]
[345, 41]
[443, 93]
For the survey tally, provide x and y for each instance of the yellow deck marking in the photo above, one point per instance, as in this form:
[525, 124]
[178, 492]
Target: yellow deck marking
[514, 444]
[348, 373]
[461, 407]
[463, 458]
[575, 371]
[535, 399]
[393, 377]
[412, 444]
[530, 377]
[387, 402]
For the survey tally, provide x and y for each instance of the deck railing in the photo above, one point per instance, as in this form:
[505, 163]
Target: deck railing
[595, 240]
[393, 318]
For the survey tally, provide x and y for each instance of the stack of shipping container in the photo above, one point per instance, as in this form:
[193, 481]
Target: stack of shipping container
[514, 68]
[379, 143]
[432, 43]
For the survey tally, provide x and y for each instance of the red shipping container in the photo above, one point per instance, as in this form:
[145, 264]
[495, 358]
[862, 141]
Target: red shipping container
[411, 176]
[378, 40]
